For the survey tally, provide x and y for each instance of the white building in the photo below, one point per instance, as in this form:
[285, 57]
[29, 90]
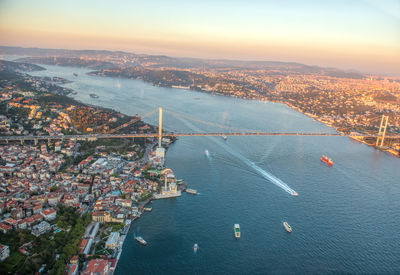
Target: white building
[41, 228]
[160, 152]
[112, 240]
[4, 252]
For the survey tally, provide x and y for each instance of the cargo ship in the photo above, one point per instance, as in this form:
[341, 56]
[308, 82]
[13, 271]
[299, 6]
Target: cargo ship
[287, 227]
[141, 240]
[326, 160]
[236, 229]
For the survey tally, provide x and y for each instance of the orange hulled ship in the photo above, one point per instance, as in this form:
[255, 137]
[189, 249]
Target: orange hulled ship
[326, 160]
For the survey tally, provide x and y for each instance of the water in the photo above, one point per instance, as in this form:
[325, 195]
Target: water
[345, 219]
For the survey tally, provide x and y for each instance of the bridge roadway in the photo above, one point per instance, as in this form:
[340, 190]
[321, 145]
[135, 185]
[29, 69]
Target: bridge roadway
[100, 136]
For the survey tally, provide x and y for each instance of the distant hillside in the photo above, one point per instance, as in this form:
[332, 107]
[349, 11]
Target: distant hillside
[125, 59]
[24, 67]
[69, 61]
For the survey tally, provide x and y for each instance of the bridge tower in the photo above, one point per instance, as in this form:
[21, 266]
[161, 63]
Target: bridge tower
[159, 126]
[382, 131]
[160, 151]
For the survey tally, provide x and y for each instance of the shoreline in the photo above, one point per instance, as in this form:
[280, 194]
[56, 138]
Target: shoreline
[290, 105]
[316, 118]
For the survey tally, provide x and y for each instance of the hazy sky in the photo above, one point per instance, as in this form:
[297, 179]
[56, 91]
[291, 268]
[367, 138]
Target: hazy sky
[350, 34]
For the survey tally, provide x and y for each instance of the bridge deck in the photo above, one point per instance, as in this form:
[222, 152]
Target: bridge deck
[101, 136]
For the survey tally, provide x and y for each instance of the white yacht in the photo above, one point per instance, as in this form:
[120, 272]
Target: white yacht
[236, 229]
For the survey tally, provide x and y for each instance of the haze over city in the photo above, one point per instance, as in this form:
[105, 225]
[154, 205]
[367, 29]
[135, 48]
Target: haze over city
[359, 35]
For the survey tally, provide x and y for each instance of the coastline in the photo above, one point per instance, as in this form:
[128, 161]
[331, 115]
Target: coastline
[331, 126]
[290, 105]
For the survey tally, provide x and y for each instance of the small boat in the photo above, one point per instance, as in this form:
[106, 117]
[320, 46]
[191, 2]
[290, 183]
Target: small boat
[207, 153]
[224, 137]
[236, 229]
[75, 74]
[94, 96]
[326, 160]
[141, 240]
[195, 247]
[295, 193]
[147, 209]
[191, 191]
[287, 227]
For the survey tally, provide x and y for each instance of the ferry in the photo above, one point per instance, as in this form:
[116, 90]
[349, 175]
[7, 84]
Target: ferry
[287, 227]
[195, 247]
[326, 160]
[236, 229]
[141, 240]
[224, 137]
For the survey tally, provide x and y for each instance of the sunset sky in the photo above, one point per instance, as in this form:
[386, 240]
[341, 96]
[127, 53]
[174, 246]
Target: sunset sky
[349, 34]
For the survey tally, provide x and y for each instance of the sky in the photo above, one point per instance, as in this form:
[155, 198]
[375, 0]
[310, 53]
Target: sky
[363, 35]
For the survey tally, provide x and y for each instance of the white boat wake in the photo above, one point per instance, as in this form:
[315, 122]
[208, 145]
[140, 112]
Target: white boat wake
[266, 175]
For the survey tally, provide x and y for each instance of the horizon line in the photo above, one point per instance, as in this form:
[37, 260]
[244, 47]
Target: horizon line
[211, 59]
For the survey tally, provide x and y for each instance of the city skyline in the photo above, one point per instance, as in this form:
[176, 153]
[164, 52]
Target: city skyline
[359, 35]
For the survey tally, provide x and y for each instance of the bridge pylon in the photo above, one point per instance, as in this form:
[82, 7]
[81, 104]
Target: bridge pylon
[382, 131]
[159, 126]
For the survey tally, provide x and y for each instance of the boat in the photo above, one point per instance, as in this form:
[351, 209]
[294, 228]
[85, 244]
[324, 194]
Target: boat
[287, 227]
[94, 96]
[191, 191]
[147, 209]
[224, 137]
[207, 153]
[75, 74]
[195, 247]
[295, 193]
[327, 160]
[236, 229]
[141, 240]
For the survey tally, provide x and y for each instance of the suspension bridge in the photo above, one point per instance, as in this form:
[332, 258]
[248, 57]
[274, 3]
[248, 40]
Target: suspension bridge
[234, 132]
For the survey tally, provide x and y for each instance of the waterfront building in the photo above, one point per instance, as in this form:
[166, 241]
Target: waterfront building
[112, 241]
[170, 188]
